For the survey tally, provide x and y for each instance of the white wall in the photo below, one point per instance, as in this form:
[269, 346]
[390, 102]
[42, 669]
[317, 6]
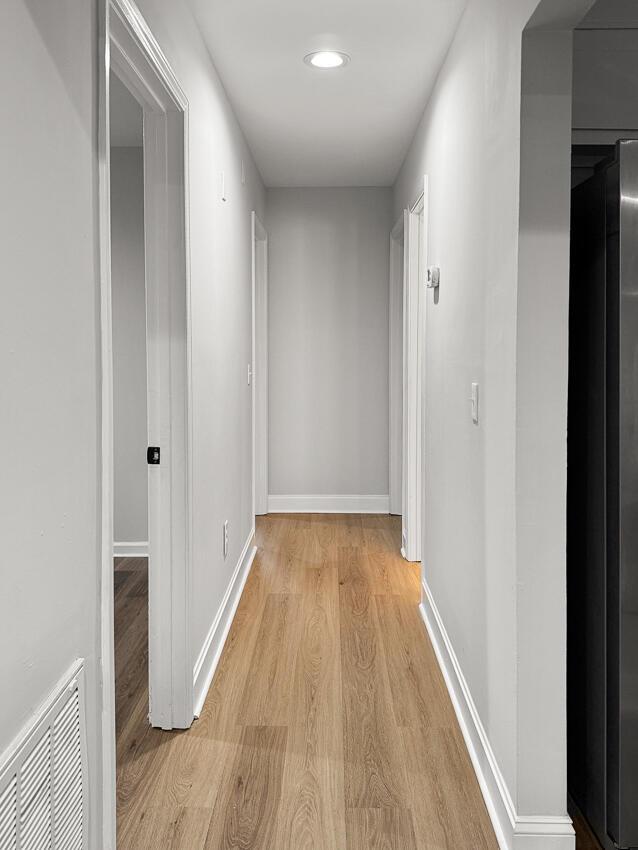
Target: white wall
[48, 361]
[125, 117]
[494, 584]
[467, 143]
[541, 417]
[130, 427]
[328, 340]
[49, 509]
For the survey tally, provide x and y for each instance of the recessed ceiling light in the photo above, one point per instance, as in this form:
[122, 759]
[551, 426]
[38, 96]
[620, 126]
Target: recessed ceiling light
[326, 59]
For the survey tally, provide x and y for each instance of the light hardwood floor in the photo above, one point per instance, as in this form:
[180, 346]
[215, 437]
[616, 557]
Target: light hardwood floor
[327, 726]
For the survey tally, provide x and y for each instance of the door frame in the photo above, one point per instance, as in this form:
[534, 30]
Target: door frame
[260, 364]
[398, 269]
[129, 49]
[413, 375]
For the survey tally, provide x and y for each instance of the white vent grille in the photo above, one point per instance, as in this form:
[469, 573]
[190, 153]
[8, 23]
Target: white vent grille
[34, 796]
[68, 797]
[9, 817]
[43, 777]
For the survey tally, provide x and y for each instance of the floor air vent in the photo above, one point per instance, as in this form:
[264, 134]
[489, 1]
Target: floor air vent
[43, 776]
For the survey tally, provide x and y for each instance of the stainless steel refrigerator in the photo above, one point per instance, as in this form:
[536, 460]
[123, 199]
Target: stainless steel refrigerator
[602, 498]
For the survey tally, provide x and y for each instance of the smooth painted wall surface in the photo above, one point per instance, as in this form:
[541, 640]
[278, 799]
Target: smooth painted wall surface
[221, 305]
[541, 416]
[49, 295]
[469, 144]
[328, 340]
[49, 367]
[130, 427]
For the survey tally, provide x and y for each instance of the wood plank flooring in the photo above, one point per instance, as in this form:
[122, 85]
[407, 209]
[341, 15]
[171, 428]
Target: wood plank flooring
[328, 725]
[131, 642]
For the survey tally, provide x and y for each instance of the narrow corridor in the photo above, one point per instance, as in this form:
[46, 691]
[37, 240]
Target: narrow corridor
[328, 724]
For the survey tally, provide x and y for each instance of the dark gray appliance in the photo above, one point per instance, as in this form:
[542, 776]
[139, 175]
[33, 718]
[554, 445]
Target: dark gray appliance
[602, 500]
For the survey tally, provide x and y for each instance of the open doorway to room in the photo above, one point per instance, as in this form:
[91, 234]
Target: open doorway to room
[146, 399]
[398, 245]
[130, 419]
[602, 545]
[259, 368]
[408, 258]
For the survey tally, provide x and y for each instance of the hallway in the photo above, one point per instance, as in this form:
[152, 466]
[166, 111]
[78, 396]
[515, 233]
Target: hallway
[313, 262]
[328, 724]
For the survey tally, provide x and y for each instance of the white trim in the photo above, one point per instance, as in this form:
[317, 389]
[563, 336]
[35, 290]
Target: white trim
[260, 364]
[211, 650]
[413, 371]
[328, 504]
[106, 805]
[127, 44]
[131, 550]
[42, 719]
[395, 430]
[513, 831]
[73, 678]
[139, 62]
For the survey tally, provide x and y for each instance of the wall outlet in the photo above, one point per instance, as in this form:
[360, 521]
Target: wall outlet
[226, 539]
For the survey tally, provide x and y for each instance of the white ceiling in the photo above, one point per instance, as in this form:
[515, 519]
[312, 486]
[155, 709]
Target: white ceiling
[348, 127]
[125, 116]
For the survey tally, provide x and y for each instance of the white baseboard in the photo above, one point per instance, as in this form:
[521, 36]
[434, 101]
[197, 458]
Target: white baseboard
[328, 504]
[513, 831]
[131, 550]
[211, 651]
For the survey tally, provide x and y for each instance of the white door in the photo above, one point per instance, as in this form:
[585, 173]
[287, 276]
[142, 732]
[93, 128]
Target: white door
[260, 365]
[413, 375]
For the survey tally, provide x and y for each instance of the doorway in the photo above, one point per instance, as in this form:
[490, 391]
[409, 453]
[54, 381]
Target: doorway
[602, 472]
[128, 304]
[602, 476]
[130, 418]
[137, 72]
[407, 371]
[398, 264]
[260, 365]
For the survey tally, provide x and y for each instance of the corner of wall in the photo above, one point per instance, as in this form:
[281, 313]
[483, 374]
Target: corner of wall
[542, 310]
[513, 831]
